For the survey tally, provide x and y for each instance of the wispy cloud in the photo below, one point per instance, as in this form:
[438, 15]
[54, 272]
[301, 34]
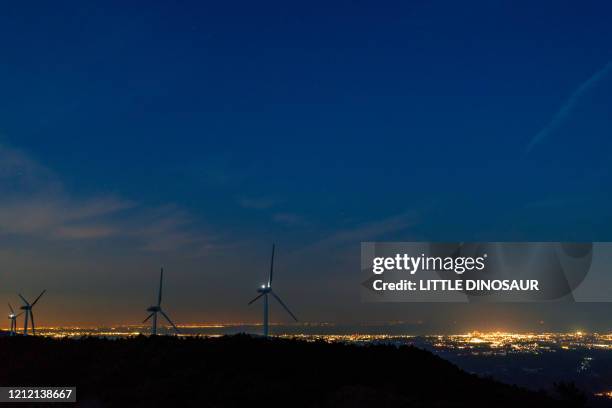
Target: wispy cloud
[86, 232]
[289, 219]
[257, 203]
[366, 231]
[169, 228]
[568, 106]
[57, 216]
[21, 174]
[279, 216]
[36, 204]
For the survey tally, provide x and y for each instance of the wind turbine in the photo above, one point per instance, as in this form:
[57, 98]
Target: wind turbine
[27, 307]
[265, 290]
[157, 309]
[13, 318]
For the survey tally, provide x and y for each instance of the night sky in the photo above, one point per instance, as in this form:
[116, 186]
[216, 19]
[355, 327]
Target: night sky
[193, 135]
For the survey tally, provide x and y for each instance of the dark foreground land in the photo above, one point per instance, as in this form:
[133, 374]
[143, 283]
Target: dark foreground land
[242, 371]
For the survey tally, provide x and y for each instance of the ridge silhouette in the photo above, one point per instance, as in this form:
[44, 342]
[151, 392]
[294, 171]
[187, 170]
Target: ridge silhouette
[241, 370]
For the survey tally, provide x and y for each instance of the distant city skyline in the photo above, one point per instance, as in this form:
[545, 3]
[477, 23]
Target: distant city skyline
[192, 137]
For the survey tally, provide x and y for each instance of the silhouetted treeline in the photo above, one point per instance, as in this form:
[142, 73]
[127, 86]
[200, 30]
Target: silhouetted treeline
[242, 371]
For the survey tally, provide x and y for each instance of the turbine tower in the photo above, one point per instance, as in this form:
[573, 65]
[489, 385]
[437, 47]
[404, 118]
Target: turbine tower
[27, 307]
[13, 318]
[157, 309]
[265, 290]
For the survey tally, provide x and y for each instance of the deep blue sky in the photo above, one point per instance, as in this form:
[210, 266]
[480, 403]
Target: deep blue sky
[224, 126]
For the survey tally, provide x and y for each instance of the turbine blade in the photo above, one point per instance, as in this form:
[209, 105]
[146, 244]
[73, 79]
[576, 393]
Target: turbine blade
[32, 319]
[11, 307]
[271, 266]
[150, 316]
[169, 321]
[161, 277]
[18, 315]
[39, 296]
[284, 305]
[22, 298]
[258, 296]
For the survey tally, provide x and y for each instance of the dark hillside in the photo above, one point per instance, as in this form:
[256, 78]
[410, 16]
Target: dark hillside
[241, 371]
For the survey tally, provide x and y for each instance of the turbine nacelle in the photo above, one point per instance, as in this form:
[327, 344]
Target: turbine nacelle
[264, 289]
[153, 309]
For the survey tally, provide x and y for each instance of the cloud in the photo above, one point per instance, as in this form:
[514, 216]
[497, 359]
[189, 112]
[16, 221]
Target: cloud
[169, 228]
[57, 216]
[36, 204]
[267, 203]
[366, 231]
[257, 203]
[20, 173]
[88, 232]
[289, 219]
[568, 106]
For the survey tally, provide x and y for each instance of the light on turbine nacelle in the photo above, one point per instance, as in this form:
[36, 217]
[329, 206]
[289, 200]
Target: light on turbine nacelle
[263, 286]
